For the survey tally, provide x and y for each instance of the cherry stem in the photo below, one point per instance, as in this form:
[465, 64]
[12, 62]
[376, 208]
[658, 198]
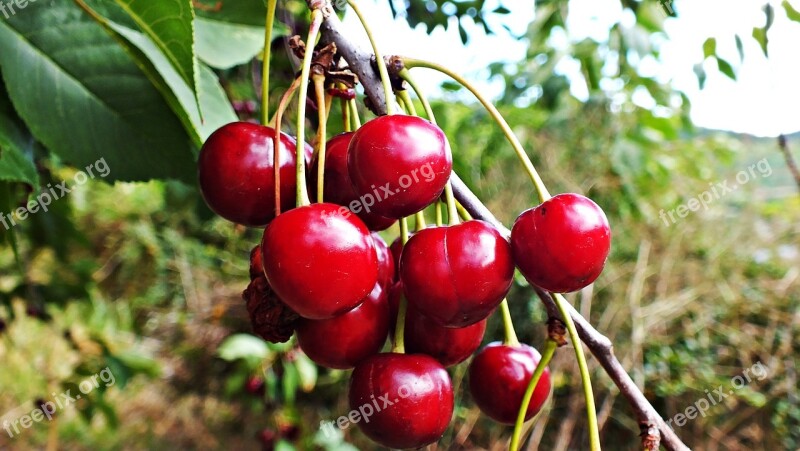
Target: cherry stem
[541, 190]
[452, 211]
[382, 70]
[547, 355]
[400, 325]
[276, 142]
[354, 114]
[348, 126]
[439, 219]
[508, 325]
[322, 110]
[594, 434]
[265, 59]
[406, 98]
[463, 212]
[419, 221]
[313, 32]
[406, 75]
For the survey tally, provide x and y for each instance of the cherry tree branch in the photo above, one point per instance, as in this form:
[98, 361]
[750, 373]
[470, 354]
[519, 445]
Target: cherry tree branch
[654, 429]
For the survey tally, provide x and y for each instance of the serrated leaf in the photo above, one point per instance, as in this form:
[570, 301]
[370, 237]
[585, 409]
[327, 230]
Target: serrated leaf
[726, 68]
[791, 13]
[760, 35]
[223, 45]
[709, 47]
[243, 346]
[83, 97]
[168, 23]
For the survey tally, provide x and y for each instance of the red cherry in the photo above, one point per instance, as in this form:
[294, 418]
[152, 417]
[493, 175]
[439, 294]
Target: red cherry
[422, 335]
[457, 275]
[256, 263]
[396, 248]
[320, 262]
[254, 385]
[236, 175]
[405, 400]
[386, 262]
[498, 377]
[338, 187]
[562, 244]
[406, 155]
[343, 341]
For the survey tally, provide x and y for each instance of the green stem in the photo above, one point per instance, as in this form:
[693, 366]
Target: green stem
[406, 75]
[276, 141]
[419, 221]
[348, 126]
[322, 111]
[594, 434]
[541, 190]
[354, 114]
[547, 355]
[452, 211]
[439, 218]
[271, 5]
[463, 212]
[313, 31]
[382, 70]
[406, 98]
[508, 325]
[400, 325]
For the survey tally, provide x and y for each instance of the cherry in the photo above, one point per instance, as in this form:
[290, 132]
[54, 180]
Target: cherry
[236, 175]
[498, 377]
[562, 244]
[456, 275]
[396, 249]
[267, 437]
[255, 385]
[338, 187]
[386, 262]
[256, 263]
[343, 341]
[401, 163]
[405, 400]
[320, 262]
[447, 345]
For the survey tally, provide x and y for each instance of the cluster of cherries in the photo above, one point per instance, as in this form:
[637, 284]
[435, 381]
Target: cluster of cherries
[322, 271]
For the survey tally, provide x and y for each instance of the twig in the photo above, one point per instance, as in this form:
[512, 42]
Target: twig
[600, 346]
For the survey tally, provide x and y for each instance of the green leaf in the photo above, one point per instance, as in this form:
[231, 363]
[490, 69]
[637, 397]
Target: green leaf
[223, 45]
[83, 98]
[168, 23]
[243, 346]
[769, 11]
[791, 13]
[245, 12]
[307, 372]
[760, 35]
[710, 47]
[740, 47]
[7, 232]
[15, 146]
[726, 68]
[701, 74]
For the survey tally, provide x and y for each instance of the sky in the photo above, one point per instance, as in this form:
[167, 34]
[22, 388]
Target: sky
[763, 101]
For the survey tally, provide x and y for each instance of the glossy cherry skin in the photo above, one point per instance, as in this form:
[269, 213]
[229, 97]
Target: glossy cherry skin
[562, 244]
[407, 399]
[498, 377]
[386, 266]
[338, 187]
[343, 341]
[236, 176]
[256, 263]
[406, 155]
[456, 275]
[396, 248]
[320, 262]
[448, 345]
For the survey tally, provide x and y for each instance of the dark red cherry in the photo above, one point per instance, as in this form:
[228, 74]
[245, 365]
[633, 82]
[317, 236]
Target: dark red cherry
[343, 341]
[396, 248]
[338, 187]
[254, 385]
[562, 244]
[498, 377]
[256, 263]
[403, 400]
[457, 275]
[236, 175]
[448, 345]
[386, 262]
[402, 163]
[320, 262]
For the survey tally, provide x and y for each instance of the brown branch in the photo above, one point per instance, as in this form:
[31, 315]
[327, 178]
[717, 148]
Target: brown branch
[790, 163]
[600, 346]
